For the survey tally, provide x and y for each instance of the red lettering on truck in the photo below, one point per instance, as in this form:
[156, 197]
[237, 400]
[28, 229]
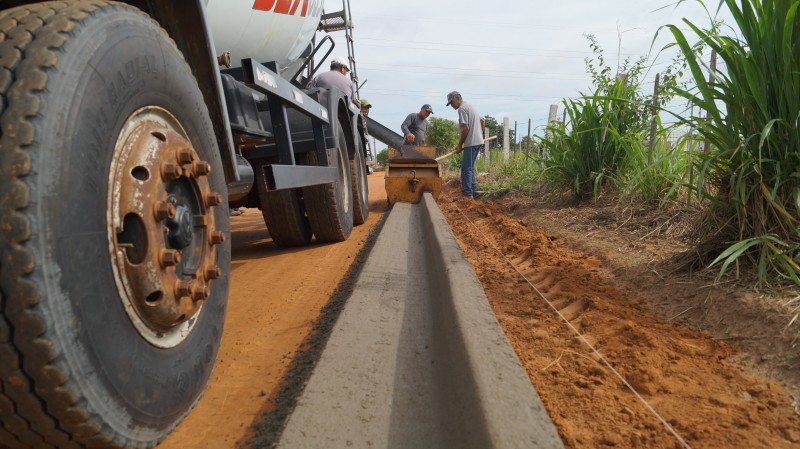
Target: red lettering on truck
[282, 7]
[264, 5]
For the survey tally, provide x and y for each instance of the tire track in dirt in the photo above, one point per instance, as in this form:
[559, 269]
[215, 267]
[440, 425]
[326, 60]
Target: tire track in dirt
[682, 373]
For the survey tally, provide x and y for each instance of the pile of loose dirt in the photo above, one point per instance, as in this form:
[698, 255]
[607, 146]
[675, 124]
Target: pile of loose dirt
[682, 373]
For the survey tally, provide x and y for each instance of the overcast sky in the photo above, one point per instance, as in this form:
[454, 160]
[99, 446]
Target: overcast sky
[509, 58]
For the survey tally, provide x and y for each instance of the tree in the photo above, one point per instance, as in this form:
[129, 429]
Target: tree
[526, 143]
[443, 134]
[383, 157]
[495, 128]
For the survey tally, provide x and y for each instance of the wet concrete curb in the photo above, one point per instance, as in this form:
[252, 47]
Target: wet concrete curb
[417, 357]
[267, 430]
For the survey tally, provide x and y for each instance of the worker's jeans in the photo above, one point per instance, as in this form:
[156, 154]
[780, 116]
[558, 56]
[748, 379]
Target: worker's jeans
[468, 185]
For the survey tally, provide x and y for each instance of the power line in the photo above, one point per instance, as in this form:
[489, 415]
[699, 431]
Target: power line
[449, 50]
[488, 94]
[498, 97]
[449, 72]
[584, 52]
[467, 70]
[475, 22]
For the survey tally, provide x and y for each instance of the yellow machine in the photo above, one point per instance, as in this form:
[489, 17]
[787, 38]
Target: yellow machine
[411, 171]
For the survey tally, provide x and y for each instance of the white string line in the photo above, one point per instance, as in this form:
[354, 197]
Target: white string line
[585, 341]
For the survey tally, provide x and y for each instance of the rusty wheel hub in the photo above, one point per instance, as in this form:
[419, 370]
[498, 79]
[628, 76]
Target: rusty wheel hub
[161, 227]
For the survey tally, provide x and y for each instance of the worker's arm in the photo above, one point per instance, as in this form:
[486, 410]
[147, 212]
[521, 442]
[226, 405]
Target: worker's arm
[464, 134]
[483, 127]
[406, 131]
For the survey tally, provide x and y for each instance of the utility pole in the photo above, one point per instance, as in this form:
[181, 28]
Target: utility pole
[711, 79]
[506, 142]
[654, 111]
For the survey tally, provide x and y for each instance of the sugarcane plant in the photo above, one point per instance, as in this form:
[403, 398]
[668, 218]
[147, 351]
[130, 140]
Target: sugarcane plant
[751, 172]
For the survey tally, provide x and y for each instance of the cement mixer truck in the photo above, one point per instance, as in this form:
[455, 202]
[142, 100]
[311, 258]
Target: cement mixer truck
[127, 129]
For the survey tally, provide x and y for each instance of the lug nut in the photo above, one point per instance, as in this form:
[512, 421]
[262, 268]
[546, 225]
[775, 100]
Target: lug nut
[182, 289]
[184, 156]
[212, 272]
[169, 257]
[163, 210]
[170, 171]
[201, 168]
[200, 291]
[213, 199]
[216, 237]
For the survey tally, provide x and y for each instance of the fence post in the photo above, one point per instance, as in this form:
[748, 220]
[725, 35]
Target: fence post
[653, 121]
[516, 136]
[528, 142]
[551, 118]
[487, 147]
[506, 143]
[711, 79]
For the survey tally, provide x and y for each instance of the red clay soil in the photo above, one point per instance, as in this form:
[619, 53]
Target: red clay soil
[682, 373]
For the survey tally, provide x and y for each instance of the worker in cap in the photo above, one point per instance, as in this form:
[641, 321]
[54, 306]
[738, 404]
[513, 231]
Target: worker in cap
[470, 142]
[415, 125]
[365, 107]
[337, 78]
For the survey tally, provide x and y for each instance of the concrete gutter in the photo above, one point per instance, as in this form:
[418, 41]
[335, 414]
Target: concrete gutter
[417, 358]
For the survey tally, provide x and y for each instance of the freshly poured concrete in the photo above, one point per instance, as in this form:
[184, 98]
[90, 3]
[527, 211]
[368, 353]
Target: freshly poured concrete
[417, 358]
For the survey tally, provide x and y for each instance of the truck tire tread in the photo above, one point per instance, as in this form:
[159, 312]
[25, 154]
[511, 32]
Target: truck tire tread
[283, 214]
[36, 410]
[327, 218]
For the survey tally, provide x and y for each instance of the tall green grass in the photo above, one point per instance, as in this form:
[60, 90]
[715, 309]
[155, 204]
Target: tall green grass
[591, 149]
[752, 173]
[604, 142]
[657, 175]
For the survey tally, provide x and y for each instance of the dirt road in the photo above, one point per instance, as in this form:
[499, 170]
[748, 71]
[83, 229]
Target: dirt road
[274, 298]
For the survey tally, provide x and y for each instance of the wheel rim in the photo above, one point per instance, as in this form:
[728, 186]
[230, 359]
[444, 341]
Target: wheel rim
[161, 229]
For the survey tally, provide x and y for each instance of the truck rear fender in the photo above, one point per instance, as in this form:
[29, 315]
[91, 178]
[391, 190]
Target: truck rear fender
[347, 120]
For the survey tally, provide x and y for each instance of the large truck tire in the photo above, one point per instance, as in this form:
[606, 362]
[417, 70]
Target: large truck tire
[284, 214]
[358, 172]
[330, 206]
[113, 260]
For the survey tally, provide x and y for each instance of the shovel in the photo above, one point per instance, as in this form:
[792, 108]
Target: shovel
[445, 156]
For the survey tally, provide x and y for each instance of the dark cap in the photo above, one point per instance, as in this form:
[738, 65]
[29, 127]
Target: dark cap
[451, 96]
[428, 108]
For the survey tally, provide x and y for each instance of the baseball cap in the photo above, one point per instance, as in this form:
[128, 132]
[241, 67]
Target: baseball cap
[365, 103]
[340, 61]
[451, 96]
[428, 108]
